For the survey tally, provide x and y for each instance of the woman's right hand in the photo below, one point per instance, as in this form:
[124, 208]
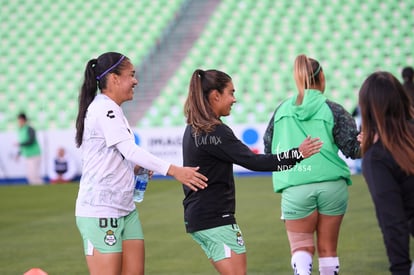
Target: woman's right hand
[188, 176]
[310, 146]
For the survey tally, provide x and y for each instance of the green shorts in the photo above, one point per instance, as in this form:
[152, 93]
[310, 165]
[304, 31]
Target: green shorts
[218, 242]
[329, 198]
[106, 234]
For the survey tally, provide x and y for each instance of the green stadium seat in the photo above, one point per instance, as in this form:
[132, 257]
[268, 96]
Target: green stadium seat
[267, 37]
[254, 41]
[49, 46]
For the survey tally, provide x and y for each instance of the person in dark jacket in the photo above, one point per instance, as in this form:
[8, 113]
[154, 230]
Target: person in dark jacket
[388, 157]
[209, 214]
[63, 167]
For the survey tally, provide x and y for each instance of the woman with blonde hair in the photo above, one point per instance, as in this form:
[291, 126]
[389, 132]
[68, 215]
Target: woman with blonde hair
[314, 193]
[388, 151]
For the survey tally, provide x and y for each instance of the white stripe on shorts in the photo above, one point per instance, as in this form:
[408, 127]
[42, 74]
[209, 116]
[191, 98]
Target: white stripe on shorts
[90, 249]
[227, 251]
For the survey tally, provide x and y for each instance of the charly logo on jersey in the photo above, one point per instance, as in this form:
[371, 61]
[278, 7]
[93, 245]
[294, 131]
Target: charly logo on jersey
[110, 114]
[110, 238]
[240, 240]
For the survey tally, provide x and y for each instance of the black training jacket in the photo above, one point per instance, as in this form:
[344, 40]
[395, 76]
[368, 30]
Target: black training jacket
[215, 153]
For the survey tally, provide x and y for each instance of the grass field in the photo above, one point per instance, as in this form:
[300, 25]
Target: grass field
[37, 229]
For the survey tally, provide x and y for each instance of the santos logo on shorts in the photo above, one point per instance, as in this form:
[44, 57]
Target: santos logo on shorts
[110, 238]
[240, 240]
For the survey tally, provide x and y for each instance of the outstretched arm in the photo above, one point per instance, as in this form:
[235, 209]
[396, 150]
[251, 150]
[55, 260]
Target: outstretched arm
[188, 176]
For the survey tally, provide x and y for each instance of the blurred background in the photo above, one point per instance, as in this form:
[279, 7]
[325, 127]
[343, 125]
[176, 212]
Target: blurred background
[46, 44]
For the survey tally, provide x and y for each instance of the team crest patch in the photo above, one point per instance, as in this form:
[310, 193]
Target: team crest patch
[240, 240]
[110, 238]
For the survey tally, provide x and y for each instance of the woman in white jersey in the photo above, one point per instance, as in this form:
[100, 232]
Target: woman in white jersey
[105, 211]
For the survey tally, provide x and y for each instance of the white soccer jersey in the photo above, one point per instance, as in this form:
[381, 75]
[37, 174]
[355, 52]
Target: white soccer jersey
[107, 183]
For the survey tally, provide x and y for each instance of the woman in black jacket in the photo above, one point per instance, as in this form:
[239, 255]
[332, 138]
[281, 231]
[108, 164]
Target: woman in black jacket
[388, 158]
[212, 145]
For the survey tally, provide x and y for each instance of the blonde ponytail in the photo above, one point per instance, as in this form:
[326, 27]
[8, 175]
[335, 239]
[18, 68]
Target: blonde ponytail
[306, 72]
[302, 71]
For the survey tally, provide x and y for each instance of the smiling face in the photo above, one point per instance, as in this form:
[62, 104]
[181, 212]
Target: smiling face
[121, 87]
[221, 103]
